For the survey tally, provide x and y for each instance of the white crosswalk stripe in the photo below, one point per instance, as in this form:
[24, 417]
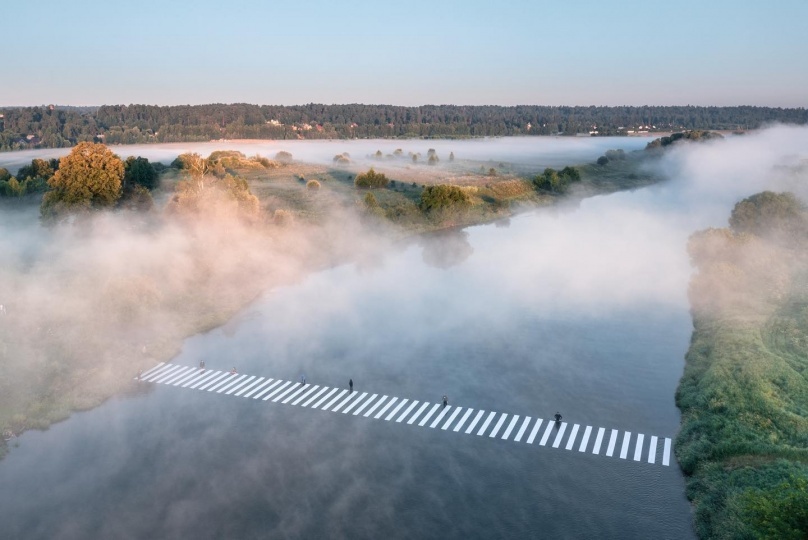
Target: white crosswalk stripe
[148, 372]
[415, 416]
[395, 411]
[414, 412]
[571, 440]
[214, 380]
[667, 453]
[365, 404]
[560, 435]
[440, 416]
[652, 450]
[239, 385]
[638, 447]
[163, 375]
[259, 387]
[231, 384]
[375, 406]
[249, 386]
[315, 396]
[598, 441]
[198, 377]
[267, 388]
[522, 429]
[612, 441]
[384, 409]
[342, 403]
[474, 422]
[300, 389]
[546, 433]
[325, 397]
[353, 404]
[451, 418]
[191, 375]
[281, 395]
[624, 448]
[463, 419]
[307, 391]
[406, 412]
[336, 398]
[276, 390]
[498, 425]
[205, 378]
[429, 414]
[585, 440]
[535, 430]
[485, 424]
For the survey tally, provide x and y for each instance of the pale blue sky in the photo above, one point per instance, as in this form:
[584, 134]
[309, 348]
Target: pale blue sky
[564, 52]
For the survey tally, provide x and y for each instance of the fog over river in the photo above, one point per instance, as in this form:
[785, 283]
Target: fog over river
[579, 309]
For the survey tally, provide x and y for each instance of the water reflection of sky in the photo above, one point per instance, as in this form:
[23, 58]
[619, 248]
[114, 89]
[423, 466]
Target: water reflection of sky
[581, 310]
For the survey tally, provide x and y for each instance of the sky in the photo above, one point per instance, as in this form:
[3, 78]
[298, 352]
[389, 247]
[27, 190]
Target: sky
[471, 52]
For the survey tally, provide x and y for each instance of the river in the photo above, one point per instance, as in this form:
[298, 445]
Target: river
[578, 309]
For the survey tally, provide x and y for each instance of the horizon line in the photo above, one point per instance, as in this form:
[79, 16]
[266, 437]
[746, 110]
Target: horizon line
[392, 105]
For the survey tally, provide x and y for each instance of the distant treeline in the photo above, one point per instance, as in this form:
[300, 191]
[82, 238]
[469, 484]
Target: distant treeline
[53, 127]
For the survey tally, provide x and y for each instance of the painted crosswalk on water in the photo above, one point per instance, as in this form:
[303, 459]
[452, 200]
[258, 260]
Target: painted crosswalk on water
[526, 429]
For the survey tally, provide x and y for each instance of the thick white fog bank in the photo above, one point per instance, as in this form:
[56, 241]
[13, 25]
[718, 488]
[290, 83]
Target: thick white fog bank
[621, 251]
[629, 249]
[721, 172]
[625, 250]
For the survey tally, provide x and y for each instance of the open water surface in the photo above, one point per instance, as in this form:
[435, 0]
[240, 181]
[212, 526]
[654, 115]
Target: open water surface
[580, 310]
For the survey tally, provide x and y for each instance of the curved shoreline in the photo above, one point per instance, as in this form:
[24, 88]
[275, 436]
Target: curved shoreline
[78, 395]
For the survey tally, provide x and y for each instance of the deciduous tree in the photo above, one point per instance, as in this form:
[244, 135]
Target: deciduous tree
[371, 180]
[88, 178]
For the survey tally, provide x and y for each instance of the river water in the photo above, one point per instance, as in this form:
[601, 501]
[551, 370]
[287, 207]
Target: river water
[578, 309]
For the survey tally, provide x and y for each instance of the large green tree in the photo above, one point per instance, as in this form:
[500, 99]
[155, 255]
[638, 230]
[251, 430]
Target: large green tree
[779, 216]
[557, 181]
[39, 168]
[88, 178]
[371, 180]
[138, 171]
[443, 197]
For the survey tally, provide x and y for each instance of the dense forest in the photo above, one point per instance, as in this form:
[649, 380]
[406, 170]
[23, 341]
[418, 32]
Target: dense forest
[56, 126]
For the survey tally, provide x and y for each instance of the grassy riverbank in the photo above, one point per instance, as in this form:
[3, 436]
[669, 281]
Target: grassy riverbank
[91, 303]
[744, 393]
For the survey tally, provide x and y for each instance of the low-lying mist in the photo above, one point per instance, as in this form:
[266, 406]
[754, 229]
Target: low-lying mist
[90, 301]
[112, 292]
[539, 152]
[83, 300]
[629, 249]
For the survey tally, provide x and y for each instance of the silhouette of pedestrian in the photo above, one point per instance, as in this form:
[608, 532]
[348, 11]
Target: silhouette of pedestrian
[445, 401]
[202, 364]
[303, 380]
[350, 384]
[557, 417]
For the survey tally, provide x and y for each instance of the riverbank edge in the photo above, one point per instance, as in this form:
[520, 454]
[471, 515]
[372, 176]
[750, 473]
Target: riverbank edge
[171, 346]
[742, 393]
